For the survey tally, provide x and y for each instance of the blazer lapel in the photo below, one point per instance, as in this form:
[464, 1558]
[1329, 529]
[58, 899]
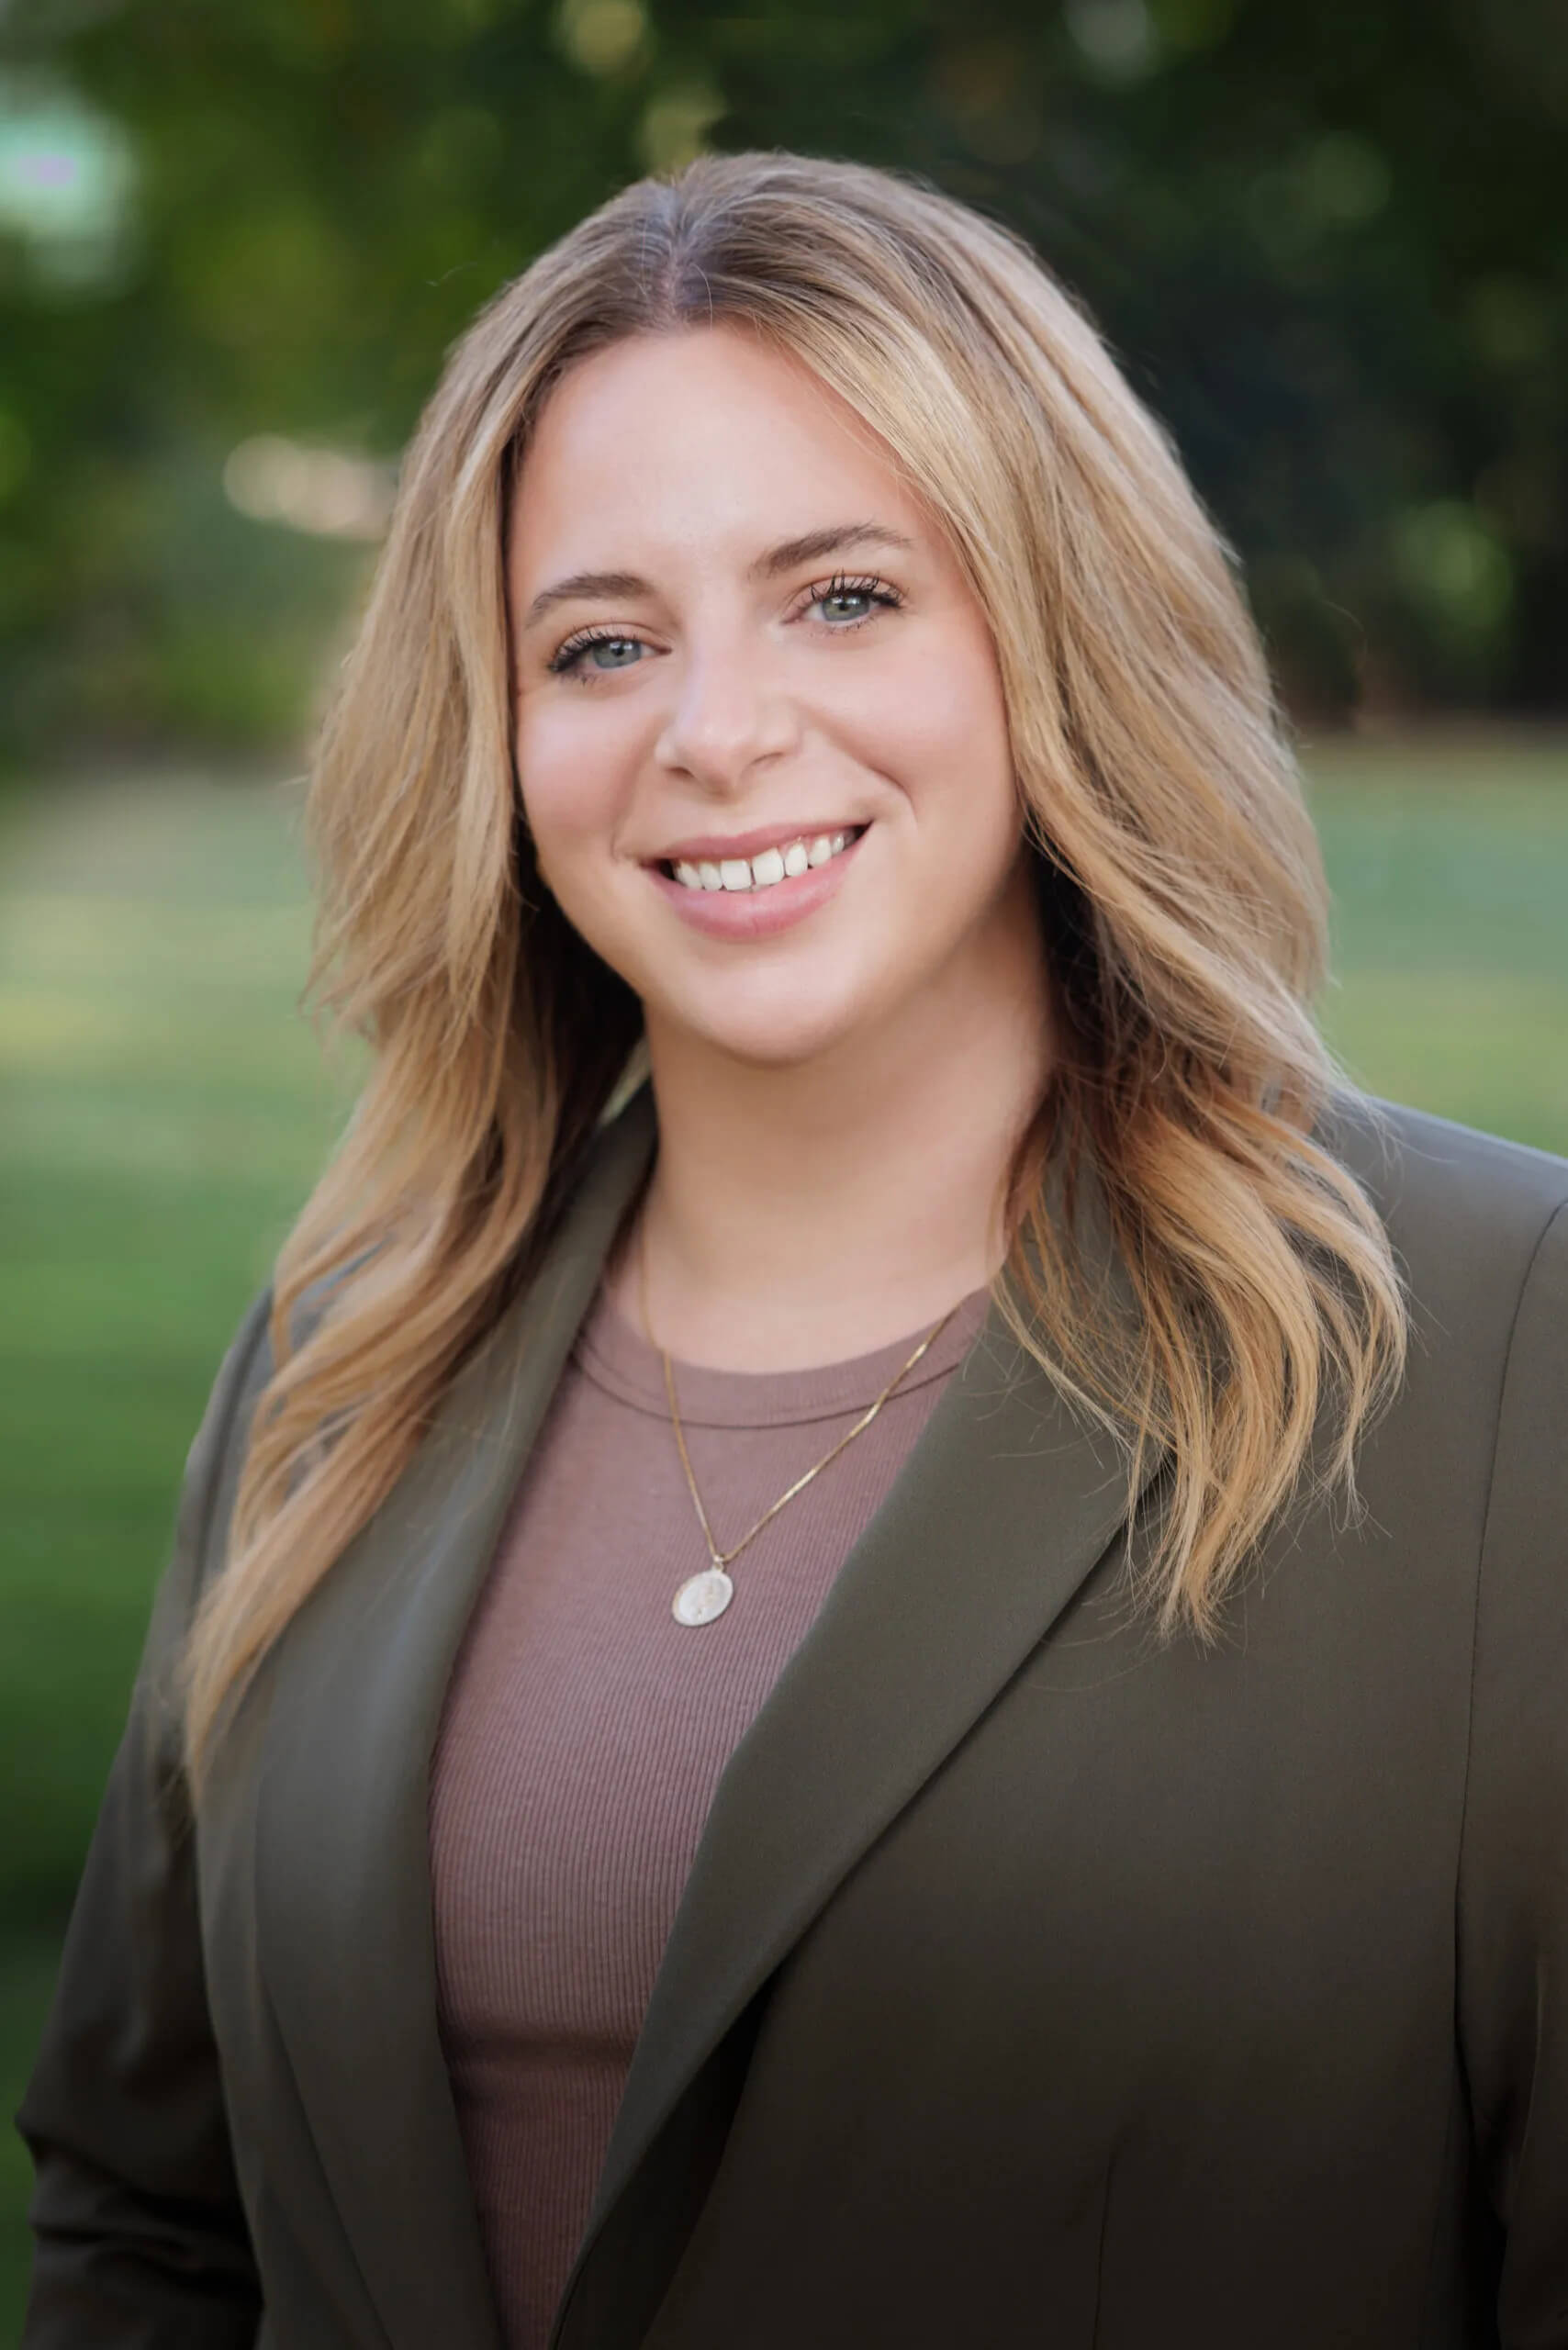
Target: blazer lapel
[1003, 1507]
[1006, 1503]
[342, 1867]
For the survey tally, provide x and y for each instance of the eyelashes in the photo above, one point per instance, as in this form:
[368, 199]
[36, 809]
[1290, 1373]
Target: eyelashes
[567, 662]
[570, 659]
[841, 586]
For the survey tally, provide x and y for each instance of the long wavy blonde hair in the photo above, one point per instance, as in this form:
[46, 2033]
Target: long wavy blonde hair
[1183, 897]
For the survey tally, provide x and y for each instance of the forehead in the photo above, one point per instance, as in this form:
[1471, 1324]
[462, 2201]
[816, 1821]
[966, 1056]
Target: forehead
[708, 436]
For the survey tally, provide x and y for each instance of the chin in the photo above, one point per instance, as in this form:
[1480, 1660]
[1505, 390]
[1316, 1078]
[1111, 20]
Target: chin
[779, 1036]
[776, 1044]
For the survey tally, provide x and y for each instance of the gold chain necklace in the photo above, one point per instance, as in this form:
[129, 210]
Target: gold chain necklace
[703, 1597]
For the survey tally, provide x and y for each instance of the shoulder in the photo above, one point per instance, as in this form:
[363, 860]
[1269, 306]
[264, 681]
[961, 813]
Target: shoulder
[1457, 1204]
[246, 1367]
[216, 1456]
[213, 1464]
[594, 1182]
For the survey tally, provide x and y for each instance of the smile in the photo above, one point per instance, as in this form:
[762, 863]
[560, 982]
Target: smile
[747, 899]
[784, 860]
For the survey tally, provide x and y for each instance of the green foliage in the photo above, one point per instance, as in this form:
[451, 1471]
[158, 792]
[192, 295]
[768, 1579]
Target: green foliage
[1325, 242]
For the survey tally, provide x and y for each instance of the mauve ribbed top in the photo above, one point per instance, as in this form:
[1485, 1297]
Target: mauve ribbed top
[584, 1732]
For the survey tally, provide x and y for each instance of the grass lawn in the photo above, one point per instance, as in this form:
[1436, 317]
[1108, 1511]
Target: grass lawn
[162, 1111]
[1450, 872]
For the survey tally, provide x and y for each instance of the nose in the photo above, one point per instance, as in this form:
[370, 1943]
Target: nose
[729, 717]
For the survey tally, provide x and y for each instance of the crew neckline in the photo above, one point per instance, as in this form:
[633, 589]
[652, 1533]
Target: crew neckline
[613, 1354]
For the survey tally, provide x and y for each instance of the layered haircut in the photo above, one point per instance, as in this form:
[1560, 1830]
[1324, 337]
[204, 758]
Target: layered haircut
[1181, 894]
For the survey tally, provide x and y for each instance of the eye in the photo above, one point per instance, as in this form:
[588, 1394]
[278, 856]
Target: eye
[596, 652]
[846, 603]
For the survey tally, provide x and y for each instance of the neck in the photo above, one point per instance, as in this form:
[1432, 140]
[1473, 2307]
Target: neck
[805, 1215]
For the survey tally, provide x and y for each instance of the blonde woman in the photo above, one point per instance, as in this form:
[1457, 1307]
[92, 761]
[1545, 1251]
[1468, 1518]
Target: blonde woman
[870, 1644]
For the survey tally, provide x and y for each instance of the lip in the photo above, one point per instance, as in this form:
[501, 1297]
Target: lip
[758, 913]
[717, 846]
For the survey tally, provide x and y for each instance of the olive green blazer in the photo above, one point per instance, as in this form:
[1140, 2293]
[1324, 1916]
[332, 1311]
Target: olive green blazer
[1036, 1981]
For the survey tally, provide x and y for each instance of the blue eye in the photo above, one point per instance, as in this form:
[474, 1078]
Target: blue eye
[842, 603]
[603, 654]
[845, 603]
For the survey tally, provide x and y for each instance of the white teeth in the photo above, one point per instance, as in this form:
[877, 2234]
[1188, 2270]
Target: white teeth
[763, 871]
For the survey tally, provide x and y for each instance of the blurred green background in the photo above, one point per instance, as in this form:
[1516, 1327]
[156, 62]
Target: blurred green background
[235, 242]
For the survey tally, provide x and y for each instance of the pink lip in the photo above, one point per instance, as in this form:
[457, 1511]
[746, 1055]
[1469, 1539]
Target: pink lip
[715, 846]
[755, 913]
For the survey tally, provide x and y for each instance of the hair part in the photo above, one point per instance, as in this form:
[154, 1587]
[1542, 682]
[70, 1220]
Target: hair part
[1181, 888]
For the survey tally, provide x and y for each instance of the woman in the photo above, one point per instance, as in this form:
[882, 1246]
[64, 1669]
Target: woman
[902, 1681]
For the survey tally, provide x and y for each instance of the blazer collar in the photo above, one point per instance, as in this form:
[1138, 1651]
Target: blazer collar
[1004, 1505]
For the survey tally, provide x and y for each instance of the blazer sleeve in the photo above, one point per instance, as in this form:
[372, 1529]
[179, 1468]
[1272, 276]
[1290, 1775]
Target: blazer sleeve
[1513, 1904]
[141, 2242]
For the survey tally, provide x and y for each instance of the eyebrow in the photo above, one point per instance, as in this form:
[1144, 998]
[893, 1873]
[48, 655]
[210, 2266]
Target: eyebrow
[813, 546]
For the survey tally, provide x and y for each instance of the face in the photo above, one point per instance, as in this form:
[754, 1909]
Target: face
[759, 726]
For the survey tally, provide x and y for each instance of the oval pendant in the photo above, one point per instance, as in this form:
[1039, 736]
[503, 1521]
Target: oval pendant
[702, 1597]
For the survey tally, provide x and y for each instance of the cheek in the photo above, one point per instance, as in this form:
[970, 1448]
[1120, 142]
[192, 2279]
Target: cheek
[938, 728]
[570, 776]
